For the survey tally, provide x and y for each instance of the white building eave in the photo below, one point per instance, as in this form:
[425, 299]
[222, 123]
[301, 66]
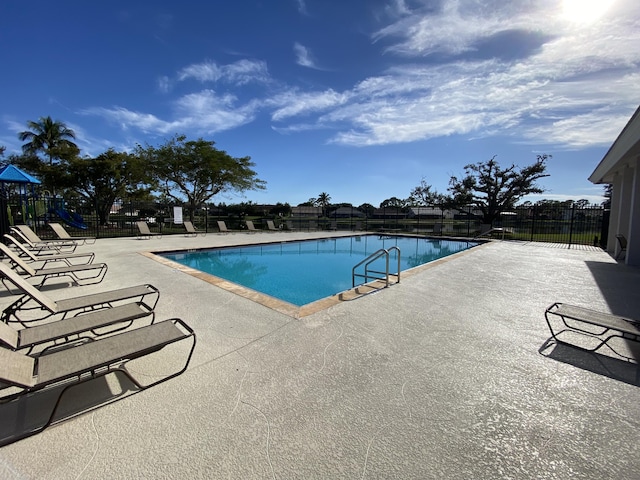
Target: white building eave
[624, 149]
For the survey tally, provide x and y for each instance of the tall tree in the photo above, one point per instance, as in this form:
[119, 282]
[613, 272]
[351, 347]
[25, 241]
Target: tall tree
[106, 178]
[196, 171]
[367, 209]
[424, 195]
[393, 202]
[492, 189]
[323, 201]
[49, 136]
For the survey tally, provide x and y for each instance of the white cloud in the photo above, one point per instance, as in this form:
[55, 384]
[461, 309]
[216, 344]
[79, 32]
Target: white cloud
[303, 56]
[302, 7]
[202, 112]
[240, 73]
[572, 86]
[164, 84]
[293, 103]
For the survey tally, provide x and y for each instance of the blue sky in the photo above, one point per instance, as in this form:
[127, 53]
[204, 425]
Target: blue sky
[360, 99]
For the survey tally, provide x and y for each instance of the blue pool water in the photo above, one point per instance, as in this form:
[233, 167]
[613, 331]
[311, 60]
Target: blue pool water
[305, 271]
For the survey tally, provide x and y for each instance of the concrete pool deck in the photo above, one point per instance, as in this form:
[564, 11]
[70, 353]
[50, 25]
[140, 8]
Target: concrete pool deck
[448, 375]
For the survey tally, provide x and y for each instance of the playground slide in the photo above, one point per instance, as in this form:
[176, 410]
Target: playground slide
[71, 219]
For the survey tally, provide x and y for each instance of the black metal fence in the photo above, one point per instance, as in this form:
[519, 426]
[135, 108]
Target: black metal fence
[537, 223]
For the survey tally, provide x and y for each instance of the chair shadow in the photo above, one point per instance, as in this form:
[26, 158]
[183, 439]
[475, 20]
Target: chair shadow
[594, 362]
[26, 415]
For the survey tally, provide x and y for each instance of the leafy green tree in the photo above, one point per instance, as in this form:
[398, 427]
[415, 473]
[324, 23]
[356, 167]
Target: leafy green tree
[196, 171]
[281, 209]
[49, 136]
[492, 189]
[367, 209]
[424, 196]
[393, 202]
[106, 178]
[607, 194]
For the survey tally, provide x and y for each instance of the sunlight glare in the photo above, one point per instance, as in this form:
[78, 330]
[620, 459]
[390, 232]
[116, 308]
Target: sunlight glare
[584, 11]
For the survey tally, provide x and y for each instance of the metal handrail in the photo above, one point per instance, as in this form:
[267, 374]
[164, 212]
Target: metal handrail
[369, 260]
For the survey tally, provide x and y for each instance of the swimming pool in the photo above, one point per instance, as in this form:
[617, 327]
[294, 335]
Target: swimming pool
[301, 272]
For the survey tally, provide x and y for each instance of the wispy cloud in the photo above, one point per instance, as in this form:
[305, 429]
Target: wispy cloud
[240, 72]
[164, 84]
[293, 103]
[576, 89]
[302, 7]
[202, 112]
[303, 56]
[563, 84]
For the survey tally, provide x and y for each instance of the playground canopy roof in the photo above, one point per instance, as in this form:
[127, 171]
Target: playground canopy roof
[12, 174]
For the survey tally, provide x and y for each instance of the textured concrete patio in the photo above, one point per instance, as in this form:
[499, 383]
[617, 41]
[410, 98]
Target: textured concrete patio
[447, 375]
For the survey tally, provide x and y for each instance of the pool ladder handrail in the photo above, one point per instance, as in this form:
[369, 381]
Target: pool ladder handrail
[383, 252]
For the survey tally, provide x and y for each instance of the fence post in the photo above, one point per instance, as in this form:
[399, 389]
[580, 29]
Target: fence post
[573, 211]
[533, 222]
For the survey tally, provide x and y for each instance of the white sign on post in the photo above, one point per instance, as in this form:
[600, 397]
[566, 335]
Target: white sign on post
[177, 215]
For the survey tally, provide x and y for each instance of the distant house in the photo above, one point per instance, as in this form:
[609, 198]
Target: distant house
[346, 212]
[620, 167]
[389, 213]
[429, 213]
[306, 212]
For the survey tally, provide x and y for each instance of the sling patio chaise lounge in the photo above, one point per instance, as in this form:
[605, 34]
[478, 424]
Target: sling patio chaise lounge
[32, 303]
[144, 233]
[85, 326]
[44, 247]
[62, 234]
[569, 324]
[29, 236]
[192, 231]
[271, 226]
[30, 256]
[251, 228]
[222, 227]
[79, 274]
[22, 376]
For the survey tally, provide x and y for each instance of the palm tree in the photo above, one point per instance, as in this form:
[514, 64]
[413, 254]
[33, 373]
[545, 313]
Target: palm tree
[323, 201]
[48, 136]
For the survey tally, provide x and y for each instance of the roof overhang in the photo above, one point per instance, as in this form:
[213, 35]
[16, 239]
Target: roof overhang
[625, 149]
